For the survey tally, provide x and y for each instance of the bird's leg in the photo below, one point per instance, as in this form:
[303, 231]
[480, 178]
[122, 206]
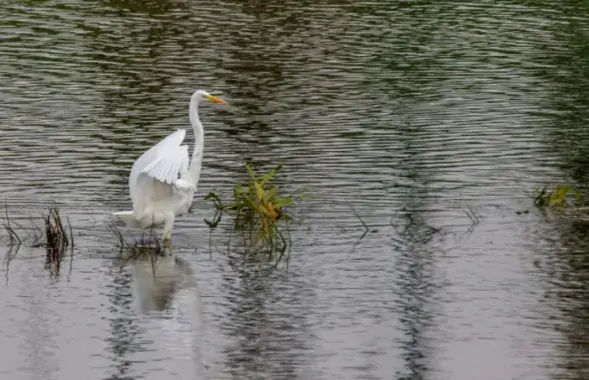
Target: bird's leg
[168, 227]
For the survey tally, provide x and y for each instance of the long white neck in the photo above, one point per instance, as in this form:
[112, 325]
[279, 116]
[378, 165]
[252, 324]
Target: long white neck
[196, 162]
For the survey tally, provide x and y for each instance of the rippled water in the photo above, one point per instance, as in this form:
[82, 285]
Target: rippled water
[416, 114]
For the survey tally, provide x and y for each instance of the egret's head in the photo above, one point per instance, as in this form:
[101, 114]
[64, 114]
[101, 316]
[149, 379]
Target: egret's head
[203, 95]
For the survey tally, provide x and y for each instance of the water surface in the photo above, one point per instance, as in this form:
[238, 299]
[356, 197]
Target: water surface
[416, 114]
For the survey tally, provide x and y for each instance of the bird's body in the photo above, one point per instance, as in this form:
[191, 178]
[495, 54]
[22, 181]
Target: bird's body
[162, 182]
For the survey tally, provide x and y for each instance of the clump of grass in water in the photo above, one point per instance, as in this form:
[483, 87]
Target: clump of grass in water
[145, 248]
[566, 200]
[257, 207]
[558, 197]
[55, 238]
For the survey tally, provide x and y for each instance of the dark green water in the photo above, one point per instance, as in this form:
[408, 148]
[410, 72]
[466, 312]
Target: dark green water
[411, 112]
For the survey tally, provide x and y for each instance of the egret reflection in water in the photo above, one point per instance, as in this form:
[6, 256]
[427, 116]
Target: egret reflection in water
[156, 281]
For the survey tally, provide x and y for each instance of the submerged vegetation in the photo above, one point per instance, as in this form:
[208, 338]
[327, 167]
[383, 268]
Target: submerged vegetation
[257, 208]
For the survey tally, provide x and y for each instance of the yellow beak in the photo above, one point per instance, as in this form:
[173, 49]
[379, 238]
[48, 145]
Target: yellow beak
[215, 99]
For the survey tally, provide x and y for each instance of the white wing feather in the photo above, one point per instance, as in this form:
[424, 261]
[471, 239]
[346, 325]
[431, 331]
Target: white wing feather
[168, 165]
[163, 162]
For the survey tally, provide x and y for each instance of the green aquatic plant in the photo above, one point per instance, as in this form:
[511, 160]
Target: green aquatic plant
[557, 197]
[257, 208]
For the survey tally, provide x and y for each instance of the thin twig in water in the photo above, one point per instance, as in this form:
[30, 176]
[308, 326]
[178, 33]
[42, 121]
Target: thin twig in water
[473, 218]
[11, 233]
[72, 247]
[65, 241]
[71, 234]
[9, 257]
[366, 229]
[37, 239]
[13, 236]
[289, 245]
[284, 246]
[120, 237]
[69, 273]
[471, 215]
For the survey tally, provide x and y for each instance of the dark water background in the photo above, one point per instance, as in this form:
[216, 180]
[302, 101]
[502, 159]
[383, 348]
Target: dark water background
[412, 112]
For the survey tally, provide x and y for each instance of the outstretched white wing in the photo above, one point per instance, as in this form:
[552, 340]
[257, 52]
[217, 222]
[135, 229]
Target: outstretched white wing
[168, 165]
[157, 169]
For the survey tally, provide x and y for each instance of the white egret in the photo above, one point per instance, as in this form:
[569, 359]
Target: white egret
[162, 182]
